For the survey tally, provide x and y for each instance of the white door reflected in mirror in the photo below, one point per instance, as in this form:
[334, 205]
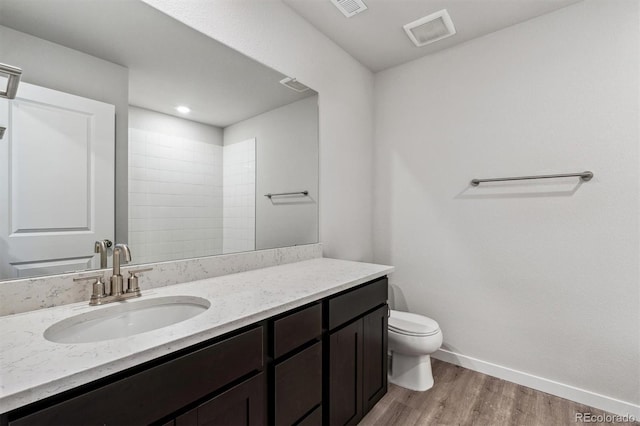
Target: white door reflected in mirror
[56, 166]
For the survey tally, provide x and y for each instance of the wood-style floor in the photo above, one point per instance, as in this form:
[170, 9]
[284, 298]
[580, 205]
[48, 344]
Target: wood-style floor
[465, 397]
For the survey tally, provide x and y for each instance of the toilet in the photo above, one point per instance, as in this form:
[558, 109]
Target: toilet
[412, 339]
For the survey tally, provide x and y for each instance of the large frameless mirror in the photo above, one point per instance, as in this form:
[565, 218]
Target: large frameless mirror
[130, 127]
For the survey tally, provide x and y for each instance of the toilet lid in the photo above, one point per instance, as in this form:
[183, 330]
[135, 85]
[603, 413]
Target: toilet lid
[412, 324]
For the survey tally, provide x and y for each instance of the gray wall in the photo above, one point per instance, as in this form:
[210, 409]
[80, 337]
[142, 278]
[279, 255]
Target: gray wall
[287, 160]
[60, 68]
[539, 277]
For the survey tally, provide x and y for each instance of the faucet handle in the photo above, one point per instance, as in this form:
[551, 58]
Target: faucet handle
[135, 272]
[98, 288]
[132, 282]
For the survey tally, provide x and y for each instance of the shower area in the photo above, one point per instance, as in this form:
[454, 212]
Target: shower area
[190, 195]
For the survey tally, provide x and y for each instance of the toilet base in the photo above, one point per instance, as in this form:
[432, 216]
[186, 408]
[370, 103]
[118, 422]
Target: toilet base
[411, 372]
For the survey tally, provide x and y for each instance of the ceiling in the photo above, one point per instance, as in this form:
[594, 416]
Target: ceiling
[376, 38]
[169, 63]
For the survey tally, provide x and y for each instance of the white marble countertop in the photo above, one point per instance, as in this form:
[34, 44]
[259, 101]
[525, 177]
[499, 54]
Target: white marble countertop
[33, 368]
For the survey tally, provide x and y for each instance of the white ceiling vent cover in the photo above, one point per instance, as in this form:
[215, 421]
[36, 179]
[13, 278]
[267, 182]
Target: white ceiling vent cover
[350, 7]
[294, 84]
[430, 28]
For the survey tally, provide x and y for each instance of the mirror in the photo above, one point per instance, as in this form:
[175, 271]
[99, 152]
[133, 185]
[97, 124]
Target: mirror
[131, 127]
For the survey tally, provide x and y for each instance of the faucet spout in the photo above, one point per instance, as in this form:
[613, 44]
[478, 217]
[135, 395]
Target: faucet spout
[101, 247]
[116, 277]
[126, 252]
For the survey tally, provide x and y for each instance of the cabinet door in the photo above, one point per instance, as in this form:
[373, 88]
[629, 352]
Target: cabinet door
[298, 385]
[345, 375]
[243, 404]
[374, 361]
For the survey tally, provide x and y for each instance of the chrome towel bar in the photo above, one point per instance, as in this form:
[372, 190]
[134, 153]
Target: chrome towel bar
[585, 176]
[287, 193]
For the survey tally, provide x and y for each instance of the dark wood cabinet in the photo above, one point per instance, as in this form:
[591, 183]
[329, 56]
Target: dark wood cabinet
[314, 418]
[353, 303]
[374, 356]
[189, 418]
[242, 405]
[146, 396]
[357, 353]
[323, 363]
[297, 366]
[294, 330]
[345, 375]
[298, 385]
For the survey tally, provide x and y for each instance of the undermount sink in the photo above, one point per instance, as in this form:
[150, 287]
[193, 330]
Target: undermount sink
[126, 319]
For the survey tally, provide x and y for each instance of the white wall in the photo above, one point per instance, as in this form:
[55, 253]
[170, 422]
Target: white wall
[273, 34]
[539, 277]
[287, 161]
[74, 72]
[239, 196]
[175, 187]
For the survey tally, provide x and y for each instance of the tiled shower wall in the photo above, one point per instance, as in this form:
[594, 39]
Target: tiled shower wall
[175, 197]
[239, 211]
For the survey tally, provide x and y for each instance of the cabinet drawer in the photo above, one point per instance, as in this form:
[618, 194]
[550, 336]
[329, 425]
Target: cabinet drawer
[347, 306]
[298, 385]
[160, 390]
[296, 329]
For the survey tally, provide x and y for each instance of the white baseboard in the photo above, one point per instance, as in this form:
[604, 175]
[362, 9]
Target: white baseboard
[562, 390]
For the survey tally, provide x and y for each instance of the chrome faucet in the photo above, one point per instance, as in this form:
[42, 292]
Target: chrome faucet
[116, 278]
[117, 293]
[101, 247]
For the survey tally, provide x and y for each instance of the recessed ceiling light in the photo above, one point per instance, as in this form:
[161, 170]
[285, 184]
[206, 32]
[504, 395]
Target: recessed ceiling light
[183, 109]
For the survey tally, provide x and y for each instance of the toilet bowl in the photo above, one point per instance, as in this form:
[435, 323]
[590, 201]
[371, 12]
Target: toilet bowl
[412, 339]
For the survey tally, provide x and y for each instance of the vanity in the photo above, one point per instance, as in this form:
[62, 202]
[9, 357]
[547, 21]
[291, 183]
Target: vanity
[210, 179]
[302, 343]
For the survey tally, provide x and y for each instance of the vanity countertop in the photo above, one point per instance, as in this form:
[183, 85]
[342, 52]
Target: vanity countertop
[33, 368]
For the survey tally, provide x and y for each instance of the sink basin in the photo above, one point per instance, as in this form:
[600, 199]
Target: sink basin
[126, 319]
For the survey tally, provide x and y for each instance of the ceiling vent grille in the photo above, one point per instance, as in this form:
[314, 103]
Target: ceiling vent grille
[294, 84]
[430, 28]
[350, 7]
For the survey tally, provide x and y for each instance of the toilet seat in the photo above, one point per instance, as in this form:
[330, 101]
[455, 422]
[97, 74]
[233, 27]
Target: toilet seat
[409, 324]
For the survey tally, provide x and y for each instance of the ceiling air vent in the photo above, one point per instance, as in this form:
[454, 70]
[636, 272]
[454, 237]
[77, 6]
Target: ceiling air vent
[430, 28]
[294, 84]
[350, 7]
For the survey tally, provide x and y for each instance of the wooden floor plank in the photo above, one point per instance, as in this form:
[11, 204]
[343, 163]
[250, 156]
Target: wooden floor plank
[496, 403]
[399, 415]
[463, 397]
